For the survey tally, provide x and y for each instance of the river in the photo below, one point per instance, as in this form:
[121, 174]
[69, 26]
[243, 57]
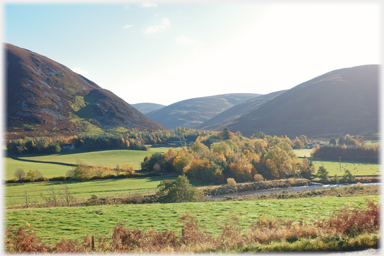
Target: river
[290, 189]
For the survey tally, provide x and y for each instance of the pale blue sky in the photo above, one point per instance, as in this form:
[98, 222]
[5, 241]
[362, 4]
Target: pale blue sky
[164, 52]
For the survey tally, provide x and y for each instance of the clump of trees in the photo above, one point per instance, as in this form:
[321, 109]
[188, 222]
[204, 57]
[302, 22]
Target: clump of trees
[217, 157]
[360, 153]
[33, 146]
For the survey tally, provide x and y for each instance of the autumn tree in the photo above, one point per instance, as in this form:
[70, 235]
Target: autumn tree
[31, 175]
[303, 140]
[127, 169]
[306, 169]
[283, 157]
[180, 162]
[297, 143]
[226, 135]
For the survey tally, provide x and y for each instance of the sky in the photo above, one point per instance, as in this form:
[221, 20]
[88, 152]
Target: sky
[165, 52]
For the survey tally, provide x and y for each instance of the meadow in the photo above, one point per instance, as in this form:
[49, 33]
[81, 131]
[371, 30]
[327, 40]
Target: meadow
[51, 165]
[333, 167]
[54, 224]
[15, 193]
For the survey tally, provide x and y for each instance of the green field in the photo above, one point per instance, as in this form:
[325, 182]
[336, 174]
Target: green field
[303, 152]
[53, 224]
[95, 158]
[15, 192]
[333, 167]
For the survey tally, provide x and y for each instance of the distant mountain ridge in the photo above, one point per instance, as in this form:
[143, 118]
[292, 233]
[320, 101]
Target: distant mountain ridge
[222, 120]
[147, 107]
[338, 102]
[45, 98]
[193, 112]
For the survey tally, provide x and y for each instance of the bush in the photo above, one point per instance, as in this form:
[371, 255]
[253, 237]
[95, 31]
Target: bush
[258, 177]
[14, 180]
[60, 178]
[231, 181]
[348, 177]
[179, 190]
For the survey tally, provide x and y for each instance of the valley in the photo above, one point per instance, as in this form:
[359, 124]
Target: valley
[79, 161]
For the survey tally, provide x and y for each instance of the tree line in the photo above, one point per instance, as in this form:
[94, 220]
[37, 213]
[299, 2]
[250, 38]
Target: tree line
[352, 153]
[127, 139]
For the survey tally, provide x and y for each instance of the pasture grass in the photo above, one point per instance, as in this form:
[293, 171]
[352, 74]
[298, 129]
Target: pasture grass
[303, 152]
[54, 224]
[356, 168]
[333, 166]
[15, 192]
[94, 158]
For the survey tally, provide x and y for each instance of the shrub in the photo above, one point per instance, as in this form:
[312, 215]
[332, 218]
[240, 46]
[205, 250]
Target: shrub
[92, 201]
[258, 177]
[135, 198]
[179, 190]
[14, 180]
[60, 178]
[231, 182]
[348, 177]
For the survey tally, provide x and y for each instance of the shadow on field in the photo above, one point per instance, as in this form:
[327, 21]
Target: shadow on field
[44, 162]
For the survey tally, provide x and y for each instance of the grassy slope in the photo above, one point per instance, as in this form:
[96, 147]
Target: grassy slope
[54, 224]
[95, 158]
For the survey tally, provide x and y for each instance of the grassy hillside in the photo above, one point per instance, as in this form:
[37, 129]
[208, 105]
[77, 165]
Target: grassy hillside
[343, 101]
[193, 112]
[46, 163]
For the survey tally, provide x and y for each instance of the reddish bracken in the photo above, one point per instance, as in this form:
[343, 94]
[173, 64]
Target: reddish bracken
[347, 222]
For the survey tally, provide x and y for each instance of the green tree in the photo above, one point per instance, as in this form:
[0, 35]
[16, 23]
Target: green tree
[348, 177]
[332, 141]
[179, 190]
[151, 160]
[322, 173]
[81, 172]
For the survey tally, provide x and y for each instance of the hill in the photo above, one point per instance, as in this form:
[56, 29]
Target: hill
[147, 107]
[338, 102]
[220, 121]
[45, 98]
[193, 112]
